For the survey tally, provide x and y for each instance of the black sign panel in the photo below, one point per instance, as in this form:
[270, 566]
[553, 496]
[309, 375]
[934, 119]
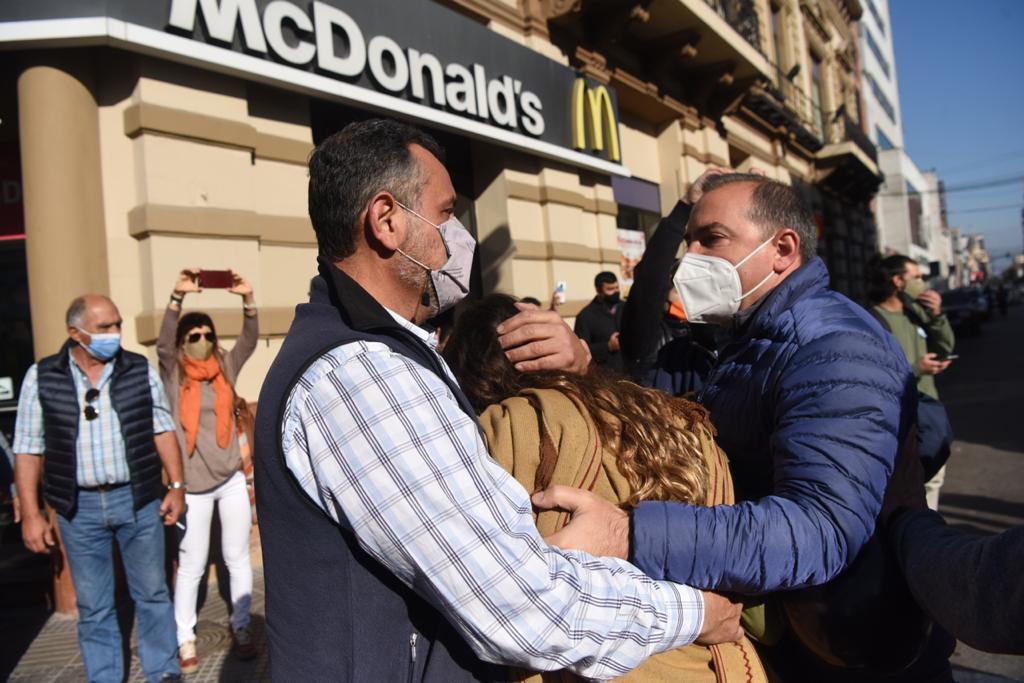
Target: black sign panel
[414, 50]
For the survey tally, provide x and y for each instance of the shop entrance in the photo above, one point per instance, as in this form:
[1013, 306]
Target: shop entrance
[16, 353]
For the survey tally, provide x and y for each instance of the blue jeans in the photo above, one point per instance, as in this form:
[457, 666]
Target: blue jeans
[88, 538]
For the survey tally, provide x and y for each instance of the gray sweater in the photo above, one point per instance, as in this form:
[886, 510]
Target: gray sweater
[209, 466]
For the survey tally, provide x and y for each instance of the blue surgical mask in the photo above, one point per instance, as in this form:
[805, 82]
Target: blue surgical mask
[103, 346]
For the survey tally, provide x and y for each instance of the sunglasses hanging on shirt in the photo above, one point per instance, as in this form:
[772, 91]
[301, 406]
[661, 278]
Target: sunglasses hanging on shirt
[90, 411]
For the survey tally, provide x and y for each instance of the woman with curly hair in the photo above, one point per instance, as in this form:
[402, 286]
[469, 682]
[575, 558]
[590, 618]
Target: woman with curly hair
[610, 436]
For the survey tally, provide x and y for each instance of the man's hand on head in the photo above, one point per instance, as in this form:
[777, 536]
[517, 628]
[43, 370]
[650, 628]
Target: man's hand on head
[597, 526]
[540, 340]
[696, 190]
[721, 619]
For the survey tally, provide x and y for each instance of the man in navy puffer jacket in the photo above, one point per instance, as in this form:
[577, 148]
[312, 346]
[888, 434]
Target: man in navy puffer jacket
[810, 399]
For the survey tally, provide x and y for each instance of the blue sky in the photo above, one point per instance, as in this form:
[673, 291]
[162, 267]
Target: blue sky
[960, 67]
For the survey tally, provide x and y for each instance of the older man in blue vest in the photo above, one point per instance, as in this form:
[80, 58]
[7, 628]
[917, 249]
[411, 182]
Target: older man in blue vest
[97, 417]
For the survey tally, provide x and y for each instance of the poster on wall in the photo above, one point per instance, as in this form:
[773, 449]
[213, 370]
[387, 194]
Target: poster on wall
[632, 244]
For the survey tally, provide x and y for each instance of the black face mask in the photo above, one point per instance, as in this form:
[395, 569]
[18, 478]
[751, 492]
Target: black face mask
[612, 299]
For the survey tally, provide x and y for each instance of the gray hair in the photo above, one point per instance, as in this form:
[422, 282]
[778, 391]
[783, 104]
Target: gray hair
[76, 312]
[774, 206]
[75, 315]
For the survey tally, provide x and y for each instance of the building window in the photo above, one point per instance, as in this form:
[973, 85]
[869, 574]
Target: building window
[883, 140]
[639, 212]
[876, 15]
[875, 50]
[880, 97]
[914, 207]
[777, 36]
[819, 120]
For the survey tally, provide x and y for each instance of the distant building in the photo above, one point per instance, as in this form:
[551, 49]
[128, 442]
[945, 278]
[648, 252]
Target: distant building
[979, 264]
[910, 206]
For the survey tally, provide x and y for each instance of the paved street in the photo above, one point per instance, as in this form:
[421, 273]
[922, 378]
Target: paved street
[984, 489]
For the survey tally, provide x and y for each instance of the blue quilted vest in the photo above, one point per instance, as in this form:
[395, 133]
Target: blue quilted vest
[133, 403]
[333, 612]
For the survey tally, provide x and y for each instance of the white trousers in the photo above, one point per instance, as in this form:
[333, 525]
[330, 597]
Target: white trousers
[232, 500]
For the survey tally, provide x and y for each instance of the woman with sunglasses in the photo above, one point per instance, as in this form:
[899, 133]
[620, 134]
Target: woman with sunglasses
[199, 377]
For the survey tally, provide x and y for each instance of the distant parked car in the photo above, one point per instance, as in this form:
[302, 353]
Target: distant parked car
[966, 309]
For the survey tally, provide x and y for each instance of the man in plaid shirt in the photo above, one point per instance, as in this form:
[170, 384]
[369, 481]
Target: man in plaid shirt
[373, 433]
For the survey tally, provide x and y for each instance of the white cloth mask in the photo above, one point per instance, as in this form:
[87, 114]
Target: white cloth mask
[451, 280]
[710, 287]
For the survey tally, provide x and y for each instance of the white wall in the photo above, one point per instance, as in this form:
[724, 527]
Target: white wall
[882, 36]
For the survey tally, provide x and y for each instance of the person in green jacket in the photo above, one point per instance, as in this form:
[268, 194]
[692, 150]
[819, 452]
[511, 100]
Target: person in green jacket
[913, 314]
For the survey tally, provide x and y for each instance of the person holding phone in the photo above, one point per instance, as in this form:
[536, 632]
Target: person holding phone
[199, 377]
[912, 312]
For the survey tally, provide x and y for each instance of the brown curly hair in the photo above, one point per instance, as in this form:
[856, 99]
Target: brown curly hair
[656, 437]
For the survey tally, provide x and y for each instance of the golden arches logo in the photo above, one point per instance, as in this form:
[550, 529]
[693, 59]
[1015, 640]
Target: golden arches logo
[593, 116]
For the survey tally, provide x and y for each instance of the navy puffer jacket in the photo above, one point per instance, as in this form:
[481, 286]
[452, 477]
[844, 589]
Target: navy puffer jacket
[810, 399]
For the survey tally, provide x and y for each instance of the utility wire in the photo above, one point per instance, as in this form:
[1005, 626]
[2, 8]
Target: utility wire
[960, 168]
[985, 209]
[967, 187]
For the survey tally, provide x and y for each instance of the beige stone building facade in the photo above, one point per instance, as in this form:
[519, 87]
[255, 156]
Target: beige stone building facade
[146, 146]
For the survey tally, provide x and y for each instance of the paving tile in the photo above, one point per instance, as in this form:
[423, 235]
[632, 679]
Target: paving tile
[54, 657]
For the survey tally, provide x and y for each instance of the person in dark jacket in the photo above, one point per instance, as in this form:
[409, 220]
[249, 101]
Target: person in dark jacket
[811, 400]
[599, 321]
[97, 417]
[660, 348]
[970, 584]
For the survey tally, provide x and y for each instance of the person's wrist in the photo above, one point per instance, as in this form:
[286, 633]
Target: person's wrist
[30, 515]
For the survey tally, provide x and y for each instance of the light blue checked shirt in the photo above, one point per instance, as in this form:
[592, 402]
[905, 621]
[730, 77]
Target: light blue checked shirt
[100, 447]
[381, 444]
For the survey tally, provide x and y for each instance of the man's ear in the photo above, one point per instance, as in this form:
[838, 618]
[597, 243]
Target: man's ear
[75, 334]
[787, 250]
[382, 226]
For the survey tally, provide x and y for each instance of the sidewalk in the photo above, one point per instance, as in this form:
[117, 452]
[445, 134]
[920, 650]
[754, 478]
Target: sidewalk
[53, 656]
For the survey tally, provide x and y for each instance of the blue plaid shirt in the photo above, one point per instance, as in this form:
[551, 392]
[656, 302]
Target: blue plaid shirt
[382, 446]
[101, 454]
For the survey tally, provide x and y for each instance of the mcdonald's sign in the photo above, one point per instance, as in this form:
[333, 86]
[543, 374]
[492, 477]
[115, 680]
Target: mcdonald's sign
[593, 118]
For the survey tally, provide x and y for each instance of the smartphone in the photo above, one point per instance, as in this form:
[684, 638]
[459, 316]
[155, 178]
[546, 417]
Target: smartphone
[560, 291]
[180, 527]
[951, 356]
[216, 279]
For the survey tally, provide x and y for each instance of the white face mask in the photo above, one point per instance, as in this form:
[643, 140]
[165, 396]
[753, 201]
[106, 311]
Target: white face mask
[451, 280]
[710, 287]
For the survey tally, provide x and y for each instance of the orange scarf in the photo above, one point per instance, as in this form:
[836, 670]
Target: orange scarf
[190, 398]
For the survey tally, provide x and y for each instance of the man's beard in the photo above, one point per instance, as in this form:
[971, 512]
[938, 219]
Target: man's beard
[415, 277]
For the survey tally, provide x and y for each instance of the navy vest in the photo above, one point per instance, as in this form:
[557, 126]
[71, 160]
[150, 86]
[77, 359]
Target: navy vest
[333, 612]
[133, 403]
